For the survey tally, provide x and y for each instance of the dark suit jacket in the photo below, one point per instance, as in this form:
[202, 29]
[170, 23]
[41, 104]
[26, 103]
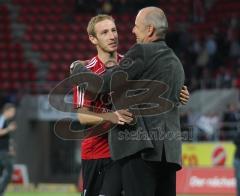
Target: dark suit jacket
[154, 62]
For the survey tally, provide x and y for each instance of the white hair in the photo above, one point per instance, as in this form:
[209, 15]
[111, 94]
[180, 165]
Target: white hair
[157, 18]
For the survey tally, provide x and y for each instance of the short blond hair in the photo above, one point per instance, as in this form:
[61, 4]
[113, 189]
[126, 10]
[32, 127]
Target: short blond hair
[96, 19]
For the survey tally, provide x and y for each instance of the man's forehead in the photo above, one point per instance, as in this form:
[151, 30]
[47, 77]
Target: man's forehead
[139, 19]
[105, 24]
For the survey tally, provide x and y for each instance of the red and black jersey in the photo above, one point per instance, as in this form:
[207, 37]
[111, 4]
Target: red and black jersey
[94, 147]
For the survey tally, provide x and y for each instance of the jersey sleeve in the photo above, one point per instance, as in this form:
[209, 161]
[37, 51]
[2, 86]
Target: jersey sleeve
[79, 97]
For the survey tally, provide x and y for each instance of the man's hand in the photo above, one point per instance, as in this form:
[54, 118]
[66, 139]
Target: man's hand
[120, 117]
[124, 116]
[184, 95]
[76, 64]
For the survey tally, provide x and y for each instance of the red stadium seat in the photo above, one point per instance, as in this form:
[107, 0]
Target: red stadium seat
[4, 75]
[5, 85]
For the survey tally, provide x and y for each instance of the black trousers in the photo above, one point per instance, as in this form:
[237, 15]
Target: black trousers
[6, 169]
[101, 177]
[144, 178]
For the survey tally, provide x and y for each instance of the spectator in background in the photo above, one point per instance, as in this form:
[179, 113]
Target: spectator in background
[193, 117]
[223, 78]
[211, 45]
[212, 48]
[234, 48]
[198, 11]
[184, 121]
[6, 150]
[229, 120]
[107, 7]
[121, 6]
[209, 125]
[202, 58]
[206, 79]
[237, 162]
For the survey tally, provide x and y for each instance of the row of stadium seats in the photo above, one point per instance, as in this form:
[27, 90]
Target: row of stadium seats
[58, 33]
[60, 39]
[39, 2]
[15, 73]
[22, 76]
[221, 12]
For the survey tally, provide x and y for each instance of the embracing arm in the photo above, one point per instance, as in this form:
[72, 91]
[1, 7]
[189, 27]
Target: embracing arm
[132, 64]
[87, 117]
[184, 95]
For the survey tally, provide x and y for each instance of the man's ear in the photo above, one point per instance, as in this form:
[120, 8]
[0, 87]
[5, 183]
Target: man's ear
[150, 30]
[93, 39]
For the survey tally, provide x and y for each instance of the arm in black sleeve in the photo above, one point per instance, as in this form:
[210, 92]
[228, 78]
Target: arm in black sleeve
[78, 67]
[132, 64]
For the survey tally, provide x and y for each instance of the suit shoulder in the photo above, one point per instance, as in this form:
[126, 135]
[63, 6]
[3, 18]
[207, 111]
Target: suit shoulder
[137, 46]
[135, 50]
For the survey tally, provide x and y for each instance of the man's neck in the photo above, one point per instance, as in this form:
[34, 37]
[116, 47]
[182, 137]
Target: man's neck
[155, 38]
[105, 57]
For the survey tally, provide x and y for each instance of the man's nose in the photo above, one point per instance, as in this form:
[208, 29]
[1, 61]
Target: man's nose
[133, 30]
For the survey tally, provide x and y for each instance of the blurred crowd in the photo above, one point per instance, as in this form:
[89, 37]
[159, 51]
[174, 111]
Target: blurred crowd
[113, 6]
[212, 125]
[211, 60]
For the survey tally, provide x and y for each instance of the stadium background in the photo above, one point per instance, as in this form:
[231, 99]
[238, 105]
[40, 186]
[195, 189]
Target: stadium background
[40, 38]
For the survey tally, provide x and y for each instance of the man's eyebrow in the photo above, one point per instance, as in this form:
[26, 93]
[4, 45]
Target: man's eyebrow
[103, 30]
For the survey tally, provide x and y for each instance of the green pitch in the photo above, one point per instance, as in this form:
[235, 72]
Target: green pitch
[48, 194]
[62, 194]
[41, 194]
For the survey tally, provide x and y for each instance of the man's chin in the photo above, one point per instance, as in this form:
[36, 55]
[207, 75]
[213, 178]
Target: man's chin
[111, 50]
[138, 41]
